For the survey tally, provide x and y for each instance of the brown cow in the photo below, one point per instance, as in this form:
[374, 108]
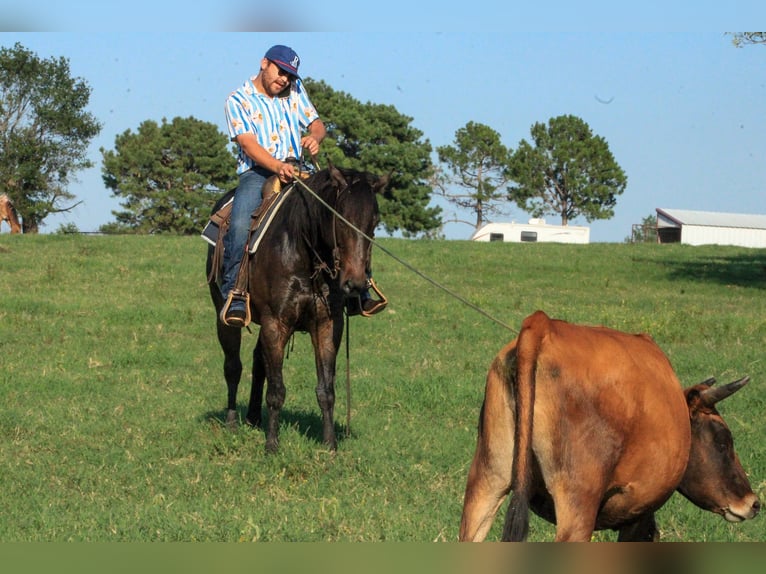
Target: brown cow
[606, 435]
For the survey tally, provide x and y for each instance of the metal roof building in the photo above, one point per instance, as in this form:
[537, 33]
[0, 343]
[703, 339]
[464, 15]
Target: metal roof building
[710, 228]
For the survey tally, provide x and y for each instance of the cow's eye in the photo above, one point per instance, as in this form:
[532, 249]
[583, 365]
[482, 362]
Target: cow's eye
[722, 440]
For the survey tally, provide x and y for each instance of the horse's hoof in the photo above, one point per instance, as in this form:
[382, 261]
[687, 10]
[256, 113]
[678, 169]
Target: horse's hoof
[272, 446]
[330, 443]
[231, 419]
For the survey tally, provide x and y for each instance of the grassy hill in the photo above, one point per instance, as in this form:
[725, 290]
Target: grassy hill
[113, 393]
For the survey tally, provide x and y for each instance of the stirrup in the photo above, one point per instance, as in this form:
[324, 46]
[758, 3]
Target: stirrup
[380, 303]
[244, 297]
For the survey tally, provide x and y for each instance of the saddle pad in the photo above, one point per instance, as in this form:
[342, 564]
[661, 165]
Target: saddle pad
[213, 226]
[267, 218]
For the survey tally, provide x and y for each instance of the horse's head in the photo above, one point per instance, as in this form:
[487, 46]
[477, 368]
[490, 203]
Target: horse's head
[356, 203]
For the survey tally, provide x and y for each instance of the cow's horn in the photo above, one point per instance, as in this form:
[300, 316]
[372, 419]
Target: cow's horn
[714, 394]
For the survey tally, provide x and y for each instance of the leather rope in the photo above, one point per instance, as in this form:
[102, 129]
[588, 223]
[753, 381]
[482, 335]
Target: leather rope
[408, 266]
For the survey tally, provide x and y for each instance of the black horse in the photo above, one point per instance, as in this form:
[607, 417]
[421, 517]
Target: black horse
[307, 263]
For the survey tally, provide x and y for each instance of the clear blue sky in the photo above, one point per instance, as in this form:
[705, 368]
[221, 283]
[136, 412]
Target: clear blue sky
[685, 118]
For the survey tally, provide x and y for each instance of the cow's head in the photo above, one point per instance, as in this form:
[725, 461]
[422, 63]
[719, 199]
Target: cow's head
[714, 478]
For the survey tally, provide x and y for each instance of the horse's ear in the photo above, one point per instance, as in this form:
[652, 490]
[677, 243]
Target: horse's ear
[382, 182]
[337, 177]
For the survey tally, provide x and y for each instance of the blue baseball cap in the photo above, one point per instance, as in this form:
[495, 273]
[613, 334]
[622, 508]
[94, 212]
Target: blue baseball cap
[285, 58]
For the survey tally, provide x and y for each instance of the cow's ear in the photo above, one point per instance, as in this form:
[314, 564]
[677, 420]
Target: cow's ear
[693, 399]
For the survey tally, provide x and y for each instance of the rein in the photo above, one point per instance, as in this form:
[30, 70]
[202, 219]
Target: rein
[407, 265]
[323, 266]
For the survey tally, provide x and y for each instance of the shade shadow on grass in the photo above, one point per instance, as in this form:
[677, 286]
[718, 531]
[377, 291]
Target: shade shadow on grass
[306, 423]
[743, 270]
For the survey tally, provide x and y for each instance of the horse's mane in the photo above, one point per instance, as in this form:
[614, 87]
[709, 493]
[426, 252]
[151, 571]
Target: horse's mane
[302, 214]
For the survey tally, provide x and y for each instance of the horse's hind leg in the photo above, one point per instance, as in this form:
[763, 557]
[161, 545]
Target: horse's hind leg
[230, 339]
[256, 389]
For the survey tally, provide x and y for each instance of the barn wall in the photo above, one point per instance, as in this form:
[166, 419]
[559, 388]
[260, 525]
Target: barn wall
[703, 235]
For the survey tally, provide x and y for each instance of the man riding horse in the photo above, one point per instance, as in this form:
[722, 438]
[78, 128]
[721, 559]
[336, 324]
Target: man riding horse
[266, 117]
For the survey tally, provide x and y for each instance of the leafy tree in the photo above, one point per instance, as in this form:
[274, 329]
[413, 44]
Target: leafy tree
[741, 39]
[169, 175]
[378, 139]
[478, 163]
[44, 133]
[67, 229]
[567, 172]
[644, 232]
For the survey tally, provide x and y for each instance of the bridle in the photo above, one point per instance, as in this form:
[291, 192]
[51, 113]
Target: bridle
[320, 265]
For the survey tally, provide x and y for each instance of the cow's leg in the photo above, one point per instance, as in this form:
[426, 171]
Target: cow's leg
[487, 488]
[256, 388]
[642, 530]
[489, 479]
[576, 505]
[326, 338]
[273, 341]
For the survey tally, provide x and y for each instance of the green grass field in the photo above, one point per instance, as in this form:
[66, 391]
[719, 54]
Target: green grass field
[113, 393]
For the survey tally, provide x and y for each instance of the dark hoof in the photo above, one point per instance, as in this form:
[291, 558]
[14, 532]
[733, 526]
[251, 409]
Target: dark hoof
[272, 446]
[253, 423]
[232, 419]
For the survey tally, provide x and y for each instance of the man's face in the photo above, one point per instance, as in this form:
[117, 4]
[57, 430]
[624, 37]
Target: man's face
[274, 78]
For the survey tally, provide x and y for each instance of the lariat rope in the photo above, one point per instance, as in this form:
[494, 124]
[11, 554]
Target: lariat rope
[348, 380]
[405, 264]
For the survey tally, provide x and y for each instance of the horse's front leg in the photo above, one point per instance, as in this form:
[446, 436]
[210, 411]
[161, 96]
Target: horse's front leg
[272, 340]
[326, 337]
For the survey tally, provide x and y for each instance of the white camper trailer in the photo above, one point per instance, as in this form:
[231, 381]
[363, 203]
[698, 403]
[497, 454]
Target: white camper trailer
[534, 231]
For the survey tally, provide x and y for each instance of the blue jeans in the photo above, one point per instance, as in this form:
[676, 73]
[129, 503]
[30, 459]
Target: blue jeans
[247, 198]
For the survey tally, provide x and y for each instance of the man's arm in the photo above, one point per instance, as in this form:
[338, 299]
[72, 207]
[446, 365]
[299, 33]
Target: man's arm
[317, 133]
[255, 151]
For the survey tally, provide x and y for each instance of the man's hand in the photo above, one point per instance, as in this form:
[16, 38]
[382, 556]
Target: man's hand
[286, 172]
[310, 143]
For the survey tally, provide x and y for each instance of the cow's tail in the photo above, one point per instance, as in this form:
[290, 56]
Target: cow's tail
[523, 388]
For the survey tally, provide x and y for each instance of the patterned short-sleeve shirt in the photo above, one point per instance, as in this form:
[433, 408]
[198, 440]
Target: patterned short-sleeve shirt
[277, 123]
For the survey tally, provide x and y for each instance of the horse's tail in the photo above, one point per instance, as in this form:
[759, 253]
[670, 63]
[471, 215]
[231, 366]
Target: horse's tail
[527, 350]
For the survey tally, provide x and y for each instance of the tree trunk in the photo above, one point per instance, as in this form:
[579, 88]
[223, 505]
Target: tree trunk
[29, 226]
